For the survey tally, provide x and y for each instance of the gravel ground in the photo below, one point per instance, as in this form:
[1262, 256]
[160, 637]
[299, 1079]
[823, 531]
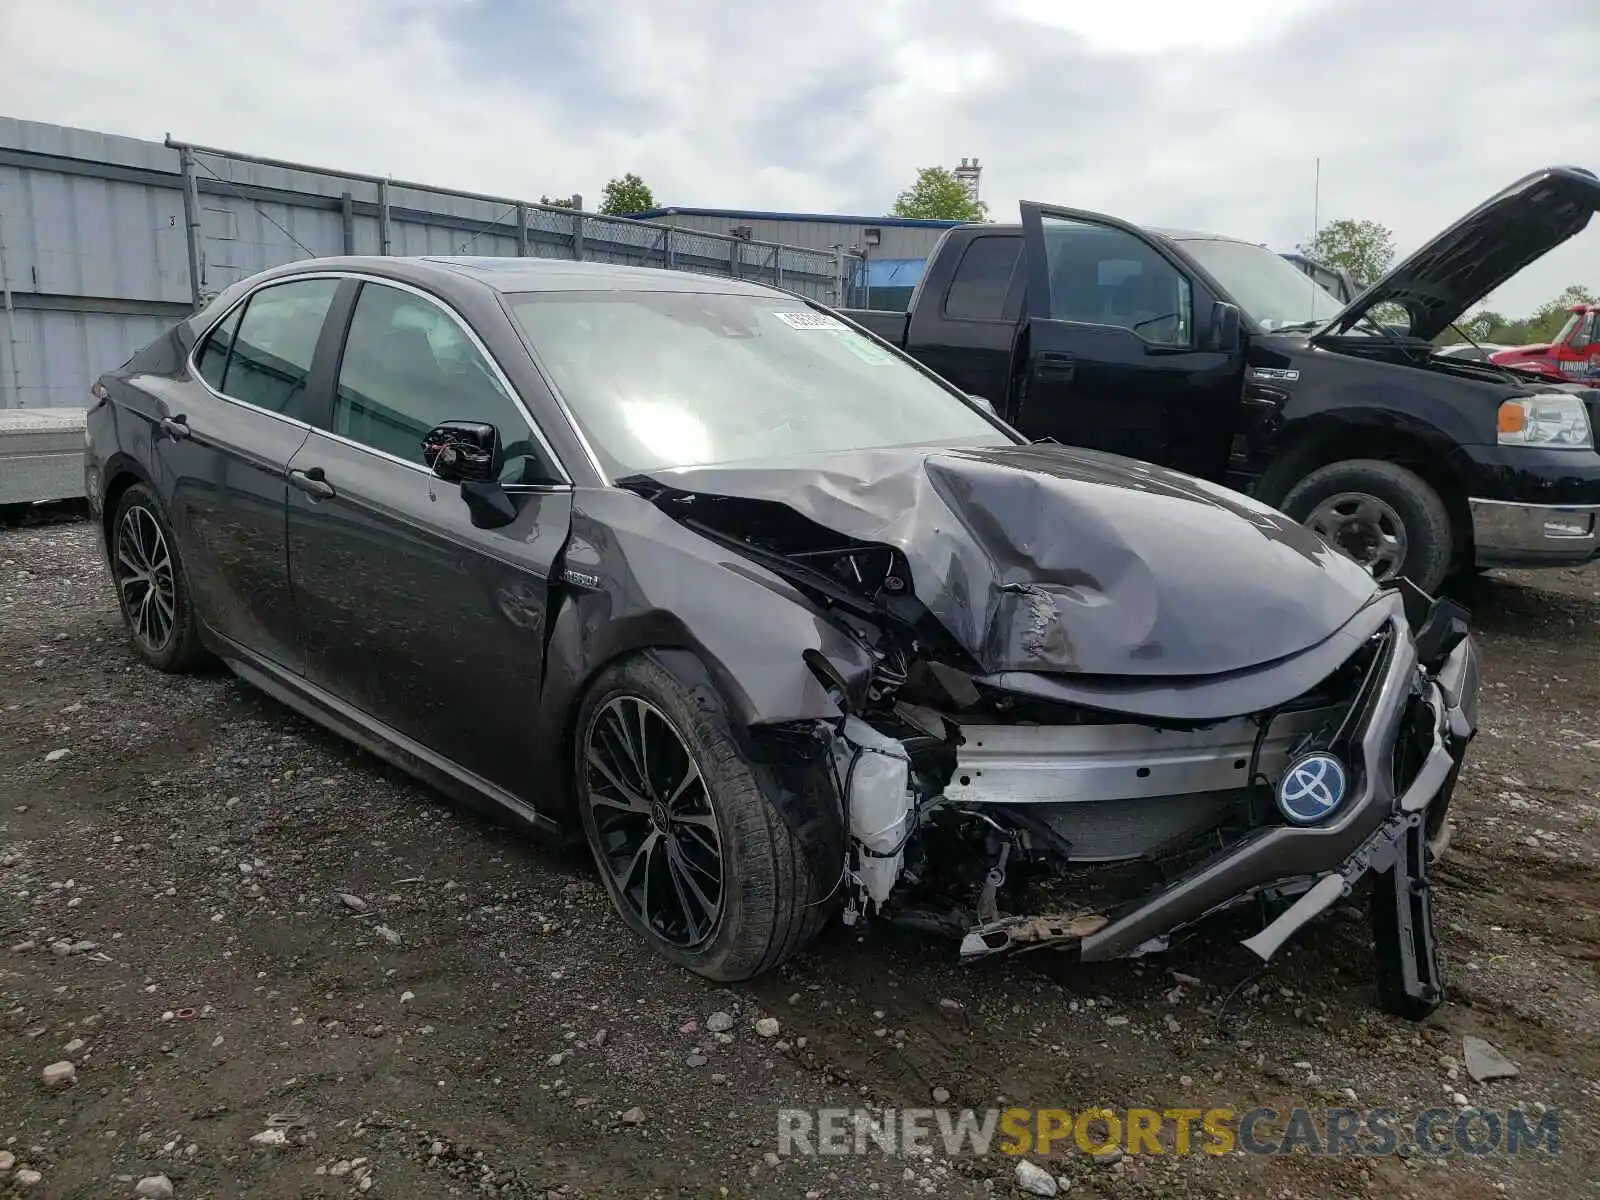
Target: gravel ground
[278, 968]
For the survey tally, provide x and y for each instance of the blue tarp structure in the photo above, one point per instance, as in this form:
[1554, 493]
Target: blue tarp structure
[886, 283]
[890, 272]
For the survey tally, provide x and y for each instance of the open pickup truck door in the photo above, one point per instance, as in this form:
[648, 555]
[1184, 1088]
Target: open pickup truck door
[1125, 348]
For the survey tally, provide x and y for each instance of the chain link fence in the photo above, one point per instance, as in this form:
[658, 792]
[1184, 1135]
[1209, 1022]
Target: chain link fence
[833, 278]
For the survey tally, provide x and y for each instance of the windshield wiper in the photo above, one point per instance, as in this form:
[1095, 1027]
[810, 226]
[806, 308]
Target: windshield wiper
[1517, 378]
[1384, 331]
[1298, 326]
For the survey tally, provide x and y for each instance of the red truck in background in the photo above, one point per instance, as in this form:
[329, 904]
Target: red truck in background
[1572, 357]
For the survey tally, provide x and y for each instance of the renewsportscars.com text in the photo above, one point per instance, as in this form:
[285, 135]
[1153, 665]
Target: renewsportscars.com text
[1181, 1131]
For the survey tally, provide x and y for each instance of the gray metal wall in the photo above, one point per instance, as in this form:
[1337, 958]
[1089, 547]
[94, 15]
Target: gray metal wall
[898, 241]
[98, 234]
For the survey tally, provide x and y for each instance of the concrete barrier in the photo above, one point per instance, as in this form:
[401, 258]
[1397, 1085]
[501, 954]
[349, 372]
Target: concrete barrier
[41, 455]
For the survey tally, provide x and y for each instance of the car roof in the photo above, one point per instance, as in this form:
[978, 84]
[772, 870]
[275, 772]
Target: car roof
[511, 275]
[1194, 235]
[1171, 235]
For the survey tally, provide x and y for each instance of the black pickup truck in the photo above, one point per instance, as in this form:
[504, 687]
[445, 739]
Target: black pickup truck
[1221, 359]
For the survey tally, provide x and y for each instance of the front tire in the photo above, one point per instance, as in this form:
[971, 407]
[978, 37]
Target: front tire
[695, 858]
[1380, 514]
[152, 587]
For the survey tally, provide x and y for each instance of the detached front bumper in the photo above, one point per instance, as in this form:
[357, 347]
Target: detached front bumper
[1385, 828]
[1508, 534]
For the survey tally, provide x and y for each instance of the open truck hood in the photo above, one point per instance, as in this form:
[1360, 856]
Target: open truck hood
[1047, 558]
[1482, 250]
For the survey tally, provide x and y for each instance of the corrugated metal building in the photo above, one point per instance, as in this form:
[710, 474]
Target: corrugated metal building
[90, 267]
[106, 240]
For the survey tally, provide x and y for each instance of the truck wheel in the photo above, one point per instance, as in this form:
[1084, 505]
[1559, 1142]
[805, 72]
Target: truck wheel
[695, 858]
[1385, 517]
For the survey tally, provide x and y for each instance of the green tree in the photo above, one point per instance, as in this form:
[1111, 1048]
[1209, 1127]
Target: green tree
[938, 195]
[630, 194]
[1541, 326]
[1364, 248]
[1556, 310]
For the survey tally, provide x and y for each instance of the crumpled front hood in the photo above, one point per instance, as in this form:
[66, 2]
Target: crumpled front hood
[1482, 250]
[1048, 558]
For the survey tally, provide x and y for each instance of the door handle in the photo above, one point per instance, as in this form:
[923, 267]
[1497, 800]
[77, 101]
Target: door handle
[176, 428]
[312, 482]
[1054, 366]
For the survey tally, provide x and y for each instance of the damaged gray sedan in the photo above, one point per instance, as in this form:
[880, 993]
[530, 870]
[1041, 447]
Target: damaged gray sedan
[786, 626]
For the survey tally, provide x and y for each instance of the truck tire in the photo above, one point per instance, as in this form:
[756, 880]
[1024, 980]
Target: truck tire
[1380, 514]
[662, 843]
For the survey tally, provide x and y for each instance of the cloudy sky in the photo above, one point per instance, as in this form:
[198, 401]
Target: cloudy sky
[1206, 115]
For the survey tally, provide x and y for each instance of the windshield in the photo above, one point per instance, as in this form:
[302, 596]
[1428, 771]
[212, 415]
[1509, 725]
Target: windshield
[676, 379]
[1567, 329]
[1265, 285]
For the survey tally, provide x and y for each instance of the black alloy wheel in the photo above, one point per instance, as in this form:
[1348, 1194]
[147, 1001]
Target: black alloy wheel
[143, 569]
[152, 585]
[656, 830]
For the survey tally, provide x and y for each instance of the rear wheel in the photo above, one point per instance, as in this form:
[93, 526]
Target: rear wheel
[152, 588]
[695, 858]
[1382, 515]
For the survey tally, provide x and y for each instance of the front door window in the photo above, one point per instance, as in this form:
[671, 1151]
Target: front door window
[1104, 276]
[408, 366]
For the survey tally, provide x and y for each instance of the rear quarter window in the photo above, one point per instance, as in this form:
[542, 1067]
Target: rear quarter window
[982, 279]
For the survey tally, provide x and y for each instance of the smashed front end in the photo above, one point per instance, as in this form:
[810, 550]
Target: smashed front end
[994, 790]
[1023, 820]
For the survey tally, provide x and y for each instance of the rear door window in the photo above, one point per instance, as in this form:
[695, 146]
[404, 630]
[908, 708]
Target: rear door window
[264, 357]
[982, 279]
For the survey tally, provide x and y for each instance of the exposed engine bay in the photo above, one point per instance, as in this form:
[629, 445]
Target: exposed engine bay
[993, 793]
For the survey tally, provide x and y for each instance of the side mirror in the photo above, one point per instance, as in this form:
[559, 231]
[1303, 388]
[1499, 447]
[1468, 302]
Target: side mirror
[487, 503]
[983, 403]
[1224, 327]
[469, 453]
[463, 452]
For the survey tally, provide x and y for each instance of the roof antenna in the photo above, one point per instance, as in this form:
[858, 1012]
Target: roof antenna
[1316, 199]
[1316, 212]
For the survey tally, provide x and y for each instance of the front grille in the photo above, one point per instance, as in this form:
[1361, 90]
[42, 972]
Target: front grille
[1143, 827]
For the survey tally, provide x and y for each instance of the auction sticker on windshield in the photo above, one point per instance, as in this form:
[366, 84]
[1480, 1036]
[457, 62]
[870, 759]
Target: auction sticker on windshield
[868, 352]
[810, 320]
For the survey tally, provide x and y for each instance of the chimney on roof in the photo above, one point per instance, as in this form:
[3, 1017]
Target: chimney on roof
[967, 174]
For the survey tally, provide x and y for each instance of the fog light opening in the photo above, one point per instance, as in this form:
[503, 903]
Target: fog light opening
[1569, 525]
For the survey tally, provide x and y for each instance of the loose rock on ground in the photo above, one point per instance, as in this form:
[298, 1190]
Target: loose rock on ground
[283, 1004]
